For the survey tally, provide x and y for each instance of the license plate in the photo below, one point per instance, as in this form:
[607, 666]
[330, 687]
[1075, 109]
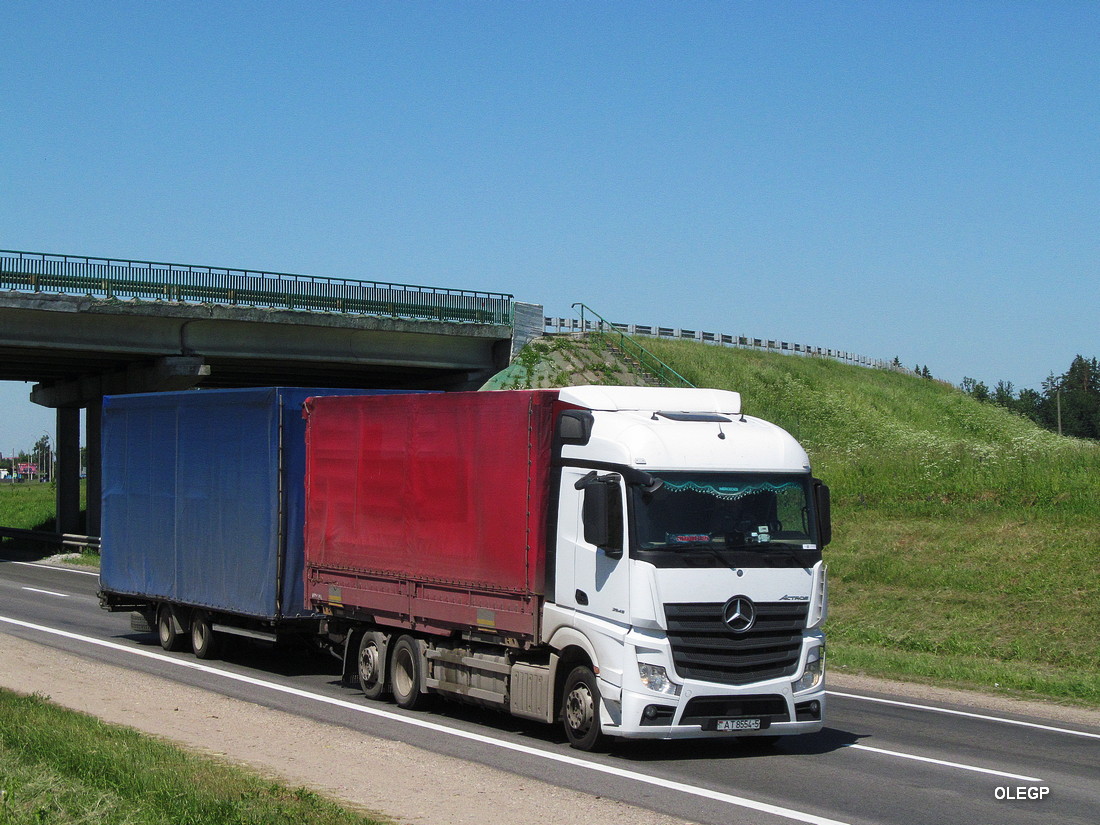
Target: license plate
[738, 724]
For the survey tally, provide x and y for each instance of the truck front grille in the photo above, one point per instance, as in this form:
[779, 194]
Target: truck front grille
[705, 648]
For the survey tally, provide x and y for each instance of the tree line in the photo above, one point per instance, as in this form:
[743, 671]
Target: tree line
[40, 456]
[1068, 403]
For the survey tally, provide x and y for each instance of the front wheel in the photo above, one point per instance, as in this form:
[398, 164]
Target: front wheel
[580, 710]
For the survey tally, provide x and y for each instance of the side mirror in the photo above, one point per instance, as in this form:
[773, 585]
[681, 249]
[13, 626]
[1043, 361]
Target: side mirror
[602, 513]
[822, 506]
[575, 427]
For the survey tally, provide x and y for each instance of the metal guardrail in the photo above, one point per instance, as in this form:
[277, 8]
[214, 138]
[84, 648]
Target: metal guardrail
[646, 359]
[573, 325]
[118, 278]
[64, 539]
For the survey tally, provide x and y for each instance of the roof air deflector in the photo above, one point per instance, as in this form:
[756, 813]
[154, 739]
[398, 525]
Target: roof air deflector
[713, 418]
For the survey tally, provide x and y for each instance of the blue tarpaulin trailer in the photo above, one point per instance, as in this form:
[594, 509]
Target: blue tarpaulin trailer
[203, 506]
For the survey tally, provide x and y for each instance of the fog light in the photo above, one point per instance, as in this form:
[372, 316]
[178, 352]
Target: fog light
[814, 673]
[658, 715]
[656, 679]
[807, 711]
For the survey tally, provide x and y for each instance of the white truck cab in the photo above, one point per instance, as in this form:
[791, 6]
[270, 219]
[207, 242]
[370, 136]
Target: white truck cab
[687, 564]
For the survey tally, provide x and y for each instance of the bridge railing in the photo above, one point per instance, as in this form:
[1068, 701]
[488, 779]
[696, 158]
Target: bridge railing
[581, 325]
[148, 280]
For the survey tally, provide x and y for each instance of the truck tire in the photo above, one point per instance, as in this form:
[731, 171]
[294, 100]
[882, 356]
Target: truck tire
[580, 710]
[143, 621]
[406, 674]
[166, 628]
[204, 641]
[372, 664]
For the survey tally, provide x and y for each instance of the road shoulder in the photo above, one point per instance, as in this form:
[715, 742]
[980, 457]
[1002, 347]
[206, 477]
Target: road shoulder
[389, 778]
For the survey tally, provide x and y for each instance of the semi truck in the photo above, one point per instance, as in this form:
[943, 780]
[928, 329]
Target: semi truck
[639, 563]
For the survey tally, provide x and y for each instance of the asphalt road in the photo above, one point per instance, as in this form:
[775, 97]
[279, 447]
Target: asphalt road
[881, 759]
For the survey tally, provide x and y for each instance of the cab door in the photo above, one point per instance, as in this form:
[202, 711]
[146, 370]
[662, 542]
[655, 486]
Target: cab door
[593, 530]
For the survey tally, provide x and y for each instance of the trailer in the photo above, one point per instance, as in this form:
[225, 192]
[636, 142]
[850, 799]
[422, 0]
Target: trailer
[203, 507]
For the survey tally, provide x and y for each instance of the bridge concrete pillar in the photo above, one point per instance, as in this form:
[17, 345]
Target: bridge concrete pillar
[93, 436]
[68, 469]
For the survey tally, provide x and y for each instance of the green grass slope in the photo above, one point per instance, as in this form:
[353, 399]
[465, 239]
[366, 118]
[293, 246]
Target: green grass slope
[966, 540]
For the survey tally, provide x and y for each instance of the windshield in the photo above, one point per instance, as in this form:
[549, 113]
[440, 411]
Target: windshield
[754, 513]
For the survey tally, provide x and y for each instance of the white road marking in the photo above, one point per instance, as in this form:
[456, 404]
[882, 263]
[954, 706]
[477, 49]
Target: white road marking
[55, 567]
[947, 764]
[968, 714]
[706, 793]
[47, 592]
[742, 802]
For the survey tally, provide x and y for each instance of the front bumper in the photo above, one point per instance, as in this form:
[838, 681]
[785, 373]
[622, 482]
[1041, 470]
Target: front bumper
[705, 709]
[696, 713]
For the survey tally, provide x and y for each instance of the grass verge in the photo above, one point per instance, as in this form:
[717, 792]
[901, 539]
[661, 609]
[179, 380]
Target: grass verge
[32, 506]
[966, 538]
[59, 766]
[998, 601]
[29, 506]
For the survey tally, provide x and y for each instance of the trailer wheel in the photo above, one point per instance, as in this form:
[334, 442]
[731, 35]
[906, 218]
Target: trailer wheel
[406, 676]
[143, 621]
[580, 710]
[204, 641]
[166, 628]
[372, 664]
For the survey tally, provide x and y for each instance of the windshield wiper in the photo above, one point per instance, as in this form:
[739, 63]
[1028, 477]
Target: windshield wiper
[706, 547]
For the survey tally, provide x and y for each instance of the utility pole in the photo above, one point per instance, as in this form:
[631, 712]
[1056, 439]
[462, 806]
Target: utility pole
[1058, 398]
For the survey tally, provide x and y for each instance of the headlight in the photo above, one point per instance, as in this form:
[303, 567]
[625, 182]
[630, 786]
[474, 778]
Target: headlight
[656, 678]
[815, 670]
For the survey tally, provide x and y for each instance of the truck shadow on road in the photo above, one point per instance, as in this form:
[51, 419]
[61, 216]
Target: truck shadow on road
[745, 747]
[654, 750]
[637, 751]
[299, 659]
[304, 660]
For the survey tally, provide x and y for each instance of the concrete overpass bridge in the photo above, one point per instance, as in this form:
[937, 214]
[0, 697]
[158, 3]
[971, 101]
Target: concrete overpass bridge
[82, 328]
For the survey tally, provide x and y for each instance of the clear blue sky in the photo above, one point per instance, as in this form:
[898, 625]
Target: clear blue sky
[913, 179]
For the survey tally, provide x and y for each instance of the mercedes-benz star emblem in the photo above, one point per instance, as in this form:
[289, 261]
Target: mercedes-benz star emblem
[739, 613]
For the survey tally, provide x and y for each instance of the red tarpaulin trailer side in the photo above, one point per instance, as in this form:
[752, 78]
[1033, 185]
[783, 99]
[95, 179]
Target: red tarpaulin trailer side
[428, 511]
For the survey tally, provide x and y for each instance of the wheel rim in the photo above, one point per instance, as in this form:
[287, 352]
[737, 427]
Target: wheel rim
[164, 627]
[403, 672]
[368, 665]
[200, 632]
[580, 709]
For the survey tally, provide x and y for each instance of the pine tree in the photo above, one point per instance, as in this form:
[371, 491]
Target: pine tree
[975, 389]
[1004, 394]
[1072, 400]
